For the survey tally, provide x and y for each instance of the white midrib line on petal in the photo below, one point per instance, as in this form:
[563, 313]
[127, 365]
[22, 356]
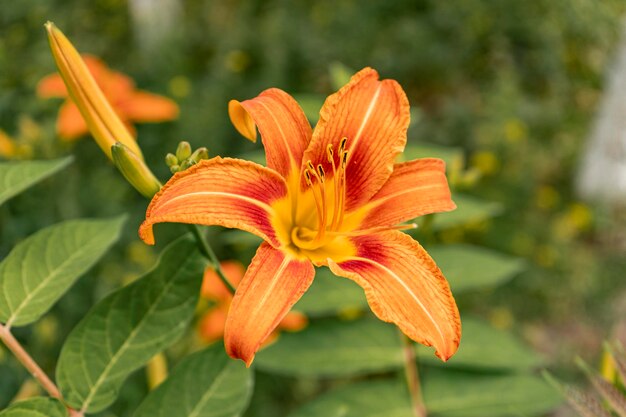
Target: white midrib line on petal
[257, 203]
[375, 203]
[282, 134]
[408, 290]
[270, 289]
[368, 115]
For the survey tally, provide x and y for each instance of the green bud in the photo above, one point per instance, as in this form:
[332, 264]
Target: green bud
[183, 151]
[170, 159]
[200, 154]
[186, 164]
[174, 169]
[134, 170]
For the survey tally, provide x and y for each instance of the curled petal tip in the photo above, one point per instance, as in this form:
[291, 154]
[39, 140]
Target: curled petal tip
[242, 120]
[146, 233]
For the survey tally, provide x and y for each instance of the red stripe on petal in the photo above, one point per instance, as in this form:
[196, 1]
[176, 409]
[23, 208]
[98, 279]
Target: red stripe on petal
[404, 286]
[374, 116]
[219, 191]
[273, 283]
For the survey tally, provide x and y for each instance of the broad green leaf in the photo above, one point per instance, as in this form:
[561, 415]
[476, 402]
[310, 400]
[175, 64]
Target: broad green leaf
[330, 294]
[36, 407]
[363, 399]
[205, 384]
[483, 347]
[15, 177]
[468, 210]
[331, 347]
[446, 394]
[124, 330]
[470, 267]
[459, 394]
[453, 157]
[41, 268]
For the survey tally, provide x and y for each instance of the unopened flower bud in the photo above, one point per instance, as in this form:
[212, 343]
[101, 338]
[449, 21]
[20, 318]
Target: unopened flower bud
[170, 159]
[183, 151]
[186, 164]
[174, 168]
[200, 154]
[104, 124]
[135, 170]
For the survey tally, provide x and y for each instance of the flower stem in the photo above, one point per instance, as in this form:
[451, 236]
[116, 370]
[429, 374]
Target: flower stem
[25, 359]
[412, 377]
[33, 368]
[207, 251]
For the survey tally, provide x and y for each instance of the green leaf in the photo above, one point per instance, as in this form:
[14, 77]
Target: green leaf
[36, 407]
[124, 330]
[364, 399]
[331, 347]
[469, 210]
[41, 268]
[15, 177]
[459, 394]
[486, 348]
[330, 294]
[205, 384]
[469, 267]
[446, 394]
[453, 157]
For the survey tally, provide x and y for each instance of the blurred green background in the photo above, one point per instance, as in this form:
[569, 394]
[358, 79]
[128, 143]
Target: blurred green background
[511, 85]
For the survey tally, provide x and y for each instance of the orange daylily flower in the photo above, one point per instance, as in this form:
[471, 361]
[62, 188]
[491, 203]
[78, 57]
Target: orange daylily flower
[329, 197]
[211, 325]
[130, 104]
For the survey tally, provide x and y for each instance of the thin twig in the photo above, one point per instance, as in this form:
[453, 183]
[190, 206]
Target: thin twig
[25, 359]
[33, 368]
[207, 251]
[412, 377]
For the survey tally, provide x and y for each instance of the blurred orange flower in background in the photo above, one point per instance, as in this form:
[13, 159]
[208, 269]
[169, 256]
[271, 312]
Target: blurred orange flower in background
[130, 104]
[211, 325]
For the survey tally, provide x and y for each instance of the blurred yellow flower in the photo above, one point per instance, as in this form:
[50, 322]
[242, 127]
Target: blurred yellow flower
[515, 131]
[486, 162]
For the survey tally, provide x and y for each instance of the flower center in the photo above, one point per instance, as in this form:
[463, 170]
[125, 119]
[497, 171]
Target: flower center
[330, 199]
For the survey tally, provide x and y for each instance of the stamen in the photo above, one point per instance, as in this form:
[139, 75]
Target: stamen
[375, 230]
[318, 206]
[320, 174]
[342, 145]
[342, 205]
[320, 171]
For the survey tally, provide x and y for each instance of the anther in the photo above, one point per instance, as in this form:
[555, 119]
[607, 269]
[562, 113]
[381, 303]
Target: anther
[320, 171]
[344, 159]
[330, 153]
[307, 177]
[310, 165]
[342, 144]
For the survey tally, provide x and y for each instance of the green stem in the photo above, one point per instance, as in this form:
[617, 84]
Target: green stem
[207, 251]
[412, 377]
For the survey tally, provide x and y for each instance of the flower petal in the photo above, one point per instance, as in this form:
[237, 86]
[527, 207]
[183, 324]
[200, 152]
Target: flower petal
[273, 283]
[212, 286]
[70, 123]
[404, 286]
[415, 188]
[219, 191]
[147, 107]
[51, 86]
[284, 128]
[211, 325]
[374, 116]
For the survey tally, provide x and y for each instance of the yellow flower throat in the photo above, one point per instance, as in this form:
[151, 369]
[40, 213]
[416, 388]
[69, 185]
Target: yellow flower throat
[311, 222]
